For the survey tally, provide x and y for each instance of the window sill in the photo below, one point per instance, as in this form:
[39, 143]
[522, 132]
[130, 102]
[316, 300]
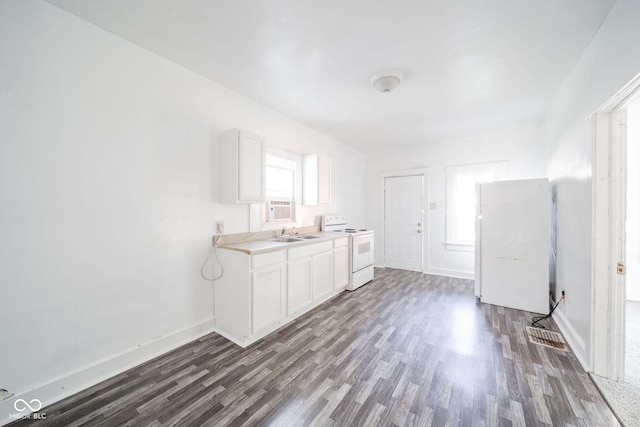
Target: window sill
[463, 247]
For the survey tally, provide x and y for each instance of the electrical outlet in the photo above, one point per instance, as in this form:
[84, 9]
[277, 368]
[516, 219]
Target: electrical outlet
[220, 226]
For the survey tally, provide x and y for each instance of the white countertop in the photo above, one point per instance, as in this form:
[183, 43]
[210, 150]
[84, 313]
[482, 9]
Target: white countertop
[261, 246]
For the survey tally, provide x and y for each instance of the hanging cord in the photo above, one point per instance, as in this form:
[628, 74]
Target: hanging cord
[213, 251]
[536, 319]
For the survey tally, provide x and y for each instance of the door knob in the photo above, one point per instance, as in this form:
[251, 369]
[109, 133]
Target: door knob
[419, 224]
[419, 231]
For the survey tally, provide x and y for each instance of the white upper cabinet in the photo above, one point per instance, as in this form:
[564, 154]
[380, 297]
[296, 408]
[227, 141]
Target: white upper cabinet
[317, 180]
[242, 167]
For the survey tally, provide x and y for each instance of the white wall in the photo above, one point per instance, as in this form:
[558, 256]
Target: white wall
[520, 147]
[108, 189]
[632, 255]
[610, 61]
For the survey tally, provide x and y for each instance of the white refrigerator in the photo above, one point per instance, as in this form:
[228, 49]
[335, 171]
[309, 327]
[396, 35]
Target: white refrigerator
[512, 244]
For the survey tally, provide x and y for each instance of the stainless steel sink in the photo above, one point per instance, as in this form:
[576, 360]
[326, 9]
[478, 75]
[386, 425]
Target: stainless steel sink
[297, 238]
[286, 239]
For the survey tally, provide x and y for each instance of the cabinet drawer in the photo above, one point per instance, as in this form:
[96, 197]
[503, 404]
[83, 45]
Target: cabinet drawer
[309, 250]
[343, 241]
[268, 258]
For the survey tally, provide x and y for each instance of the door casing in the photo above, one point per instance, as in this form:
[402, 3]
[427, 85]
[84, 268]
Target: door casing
[424, 172]
[607, 349]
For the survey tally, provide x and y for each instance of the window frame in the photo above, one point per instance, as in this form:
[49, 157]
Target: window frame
[284, 164]
[497, 169]
[283, 160]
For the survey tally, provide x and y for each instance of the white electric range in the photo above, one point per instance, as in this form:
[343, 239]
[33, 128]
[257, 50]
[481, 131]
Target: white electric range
[360, 249]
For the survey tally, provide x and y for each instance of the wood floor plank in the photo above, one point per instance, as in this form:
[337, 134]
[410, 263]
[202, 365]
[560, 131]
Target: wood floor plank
[407, 349]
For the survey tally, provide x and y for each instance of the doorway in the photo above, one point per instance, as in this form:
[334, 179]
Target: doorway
[615, 347]
[403, 219]
[611, 208]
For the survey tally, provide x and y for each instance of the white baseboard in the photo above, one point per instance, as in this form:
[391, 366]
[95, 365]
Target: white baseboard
[73, 382]
[450, 273]
[572, 338]
[459, 274]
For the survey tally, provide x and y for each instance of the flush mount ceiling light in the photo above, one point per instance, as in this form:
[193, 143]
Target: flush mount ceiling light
[387, 80]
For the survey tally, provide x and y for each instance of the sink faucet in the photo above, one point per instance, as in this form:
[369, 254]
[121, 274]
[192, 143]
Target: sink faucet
[282, 234]
[294, 232]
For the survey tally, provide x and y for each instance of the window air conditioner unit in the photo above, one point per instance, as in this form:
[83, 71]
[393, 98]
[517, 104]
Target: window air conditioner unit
[279, 210]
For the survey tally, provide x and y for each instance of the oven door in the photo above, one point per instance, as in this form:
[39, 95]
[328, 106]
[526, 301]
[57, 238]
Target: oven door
[361, 251]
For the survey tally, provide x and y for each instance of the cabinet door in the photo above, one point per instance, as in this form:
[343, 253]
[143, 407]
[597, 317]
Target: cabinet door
[324, 180]
[267, 297]
[322, 275]
[251, 167]
[299, 278]
[340, 267]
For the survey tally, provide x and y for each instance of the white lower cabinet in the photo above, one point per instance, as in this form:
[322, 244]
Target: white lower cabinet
[320, 257]
[299, 285]
[259, 293]
[322, 276]
[267, 297]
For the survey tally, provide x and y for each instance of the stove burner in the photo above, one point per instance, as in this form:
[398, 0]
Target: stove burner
[346, 230]
[350, 230]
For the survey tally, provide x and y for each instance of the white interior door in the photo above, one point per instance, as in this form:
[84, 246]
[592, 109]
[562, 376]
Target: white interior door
[403, 222]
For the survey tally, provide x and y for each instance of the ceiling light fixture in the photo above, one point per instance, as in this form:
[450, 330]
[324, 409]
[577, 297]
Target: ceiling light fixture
[387, 80]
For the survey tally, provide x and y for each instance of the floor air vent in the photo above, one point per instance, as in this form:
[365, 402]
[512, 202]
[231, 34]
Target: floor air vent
[546, 338]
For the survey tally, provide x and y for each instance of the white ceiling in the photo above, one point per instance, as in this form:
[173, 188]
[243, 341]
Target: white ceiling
[471, 66]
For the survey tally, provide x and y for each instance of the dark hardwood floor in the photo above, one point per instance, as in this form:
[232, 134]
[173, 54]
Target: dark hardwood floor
[406, 349]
